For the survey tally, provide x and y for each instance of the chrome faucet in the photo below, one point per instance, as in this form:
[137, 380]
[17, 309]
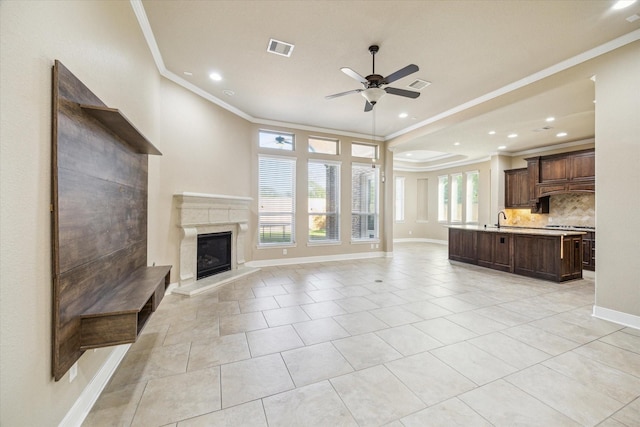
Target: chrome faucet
[504, 215]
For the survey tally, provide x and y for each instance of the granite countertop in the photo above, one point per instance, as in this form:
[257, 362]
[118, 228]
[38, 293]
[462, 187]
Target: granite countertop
[518, 230]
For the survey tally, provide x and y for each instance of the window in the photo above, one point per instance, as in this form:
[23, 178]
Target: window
[443, 198]
[324, 199]
[368, 151]
[364, 202]
[422, 200]
[472, 196]
[276, 200]
[399, 211]
[456, 197]
[277, 140]
[324, 146]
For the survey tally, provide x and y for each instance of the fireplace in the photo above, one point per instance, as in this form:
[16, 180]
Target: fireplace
[200, 216]
[214, 254]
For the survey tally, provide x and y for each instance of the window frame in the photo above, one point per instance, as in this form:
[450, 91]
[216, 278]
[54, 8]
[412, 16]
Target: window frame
[375, 147]
[469, 197]
[292, 240]
[360, 213]
[276, 134]
[457, 191]
[399, 199]
[443, 198]
[322, 138]
[335, 214]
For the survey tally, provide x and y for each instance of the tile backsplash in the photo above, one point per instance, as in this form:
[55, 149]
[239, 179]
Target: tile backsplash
[564, 209]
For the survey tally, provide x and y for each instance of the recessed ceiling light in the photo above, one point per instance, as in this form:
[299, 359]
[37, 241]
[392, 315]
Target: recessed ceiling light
[633, 18]
[403, 115]
[512, 135]
[561, 134]
[228, 92]
[215, 77]
[549, 119]
[502, 147]
[188, 73]
[621, 4]
[456, 143]
[492, 132]
[409, 154]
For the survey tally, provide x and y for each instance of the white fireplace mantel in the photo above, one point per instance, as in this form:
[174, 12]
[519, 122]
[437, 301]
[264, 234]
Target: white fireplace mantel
[210, 213]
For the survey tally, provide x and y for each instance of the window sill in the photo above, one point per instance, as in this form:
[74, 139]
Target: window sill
[277, 246]
[325, 243]
[364, 241]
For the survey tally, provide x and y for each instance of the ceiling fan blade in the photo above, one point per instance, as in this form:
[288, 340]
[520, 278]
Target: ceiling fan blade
[349, 72]
[402, 92]
[335, 95]
[367, 106]
[409, 69]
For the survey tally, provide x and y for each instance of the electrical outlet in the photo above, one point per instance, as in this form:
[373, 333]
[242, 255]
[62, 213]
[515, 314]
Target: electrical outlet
[73, 372]
[284, 252]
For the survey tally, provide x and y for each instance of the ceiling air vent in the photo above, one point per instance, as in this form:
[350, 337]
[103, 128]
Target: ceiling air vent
[280, 48]
[418, 84]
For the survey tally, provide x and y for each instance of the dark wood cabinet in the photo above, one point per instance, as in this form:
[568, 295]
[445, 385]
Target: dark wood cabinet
[573, 172]
[494, 251]
[556, 257]
[462, 246]
[516, 183]
[589, 251]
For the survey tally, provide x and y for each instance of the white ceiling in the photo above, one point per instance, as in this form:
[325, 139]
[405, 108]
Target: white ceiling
[488, 62]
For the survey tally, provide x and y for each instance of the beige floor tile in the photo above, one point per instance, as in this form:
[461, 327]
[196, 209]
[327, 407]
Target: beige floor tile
[312, 405]
[170, 399]
[320, 330]
[320, 310]
[623, 340]
[315, 363]
[408, 340]
[151, 336]
[157, 362]
[360, 323]
[510, 350]
[413, 295]
[506, 405]
[293, 300]
[562, 328]
[452, 412]
[503, 315]
[285, 316]
[474, 363]
[116, 408]
[584, 404]
[224, 349]
[218, 309]
[231, 294]
[541, 339]
[395, 316]
[386, 299]
[630, 414]
[252, 379]
[476, 322]
[375, 396]
[355, 304]
[235, 323]
[454, 304]
[181, 332]
[445, 330]
[249, 414]
[616, 357]
[273, 340]
[426, 310]
[258, 304]
[324, 295]
[590, 373]
[363, 351]
[429, 378]
[269, 291]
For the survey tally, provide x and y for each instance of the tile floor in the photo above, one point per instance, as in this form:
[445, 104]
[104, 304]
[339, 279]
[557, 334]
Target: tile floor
[413, 340]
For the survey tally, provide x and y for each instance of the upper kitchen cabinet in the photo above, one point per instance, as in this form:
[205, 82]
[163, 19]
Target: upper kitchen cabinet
[562, 173]
[516, 184]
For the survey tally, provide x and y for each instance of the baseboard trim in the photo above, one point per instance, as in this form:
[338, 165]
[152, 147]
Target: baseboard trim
[81, 408]
[420, 240]
[321, 258]
[619, 317]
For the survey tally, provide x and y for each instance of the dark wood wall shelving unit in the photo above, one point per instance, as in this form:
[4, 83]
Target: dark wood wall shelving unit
[103, 291]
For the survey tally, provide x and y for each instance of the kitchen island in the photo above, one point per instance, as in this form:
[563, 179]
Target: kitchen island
[554, 255]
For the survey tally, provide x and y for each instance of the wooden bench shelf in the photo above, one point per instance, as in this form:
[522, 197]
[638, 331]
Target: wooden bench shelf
[119, 317]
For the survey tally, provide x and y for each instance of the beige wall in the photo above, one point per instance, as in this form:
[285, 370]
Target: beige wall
[433, 229]
[101, 43]
[618, 178]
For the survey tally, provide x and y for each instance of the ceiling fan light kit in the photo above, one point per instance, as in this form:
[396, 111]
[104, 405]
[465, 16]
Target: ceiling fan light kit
[372, 91]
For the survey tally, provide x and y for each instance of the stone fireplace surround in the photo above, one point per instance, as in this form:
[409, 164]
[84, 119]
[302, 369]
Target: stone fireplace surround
[210, 213]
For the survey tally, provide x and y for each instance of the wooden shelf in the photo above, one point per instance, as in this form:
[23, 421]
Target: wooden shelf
[115, 121]
[118, 318]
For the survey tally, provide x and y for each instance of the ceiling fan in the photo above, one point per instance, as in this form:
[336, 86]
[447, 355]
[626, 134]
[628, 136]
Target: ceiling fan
[373, 91]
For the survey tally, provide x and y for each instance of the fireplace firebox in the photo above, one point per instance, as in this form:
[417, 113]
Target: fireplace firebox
[214, 254]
